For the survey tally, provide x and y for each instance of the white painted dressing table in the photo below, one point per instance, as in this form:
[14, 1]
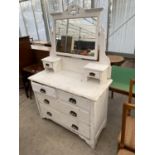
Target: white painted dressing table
[73, 89]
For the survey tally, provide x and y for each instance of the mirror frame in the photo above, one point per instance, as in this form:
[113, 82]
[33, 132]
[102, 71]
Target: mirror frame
[75, 12]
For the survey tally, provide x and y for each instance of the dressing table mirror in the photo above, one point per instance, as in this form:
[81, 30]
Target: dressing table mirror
[77, 37]
[73, 89]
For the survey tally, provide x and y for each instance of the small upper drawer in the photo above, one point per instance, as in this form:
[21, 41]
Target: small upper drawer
[52, 63]
[74, 100]
[96, 71]
[44, 89]
[93, 74]
[48, 65]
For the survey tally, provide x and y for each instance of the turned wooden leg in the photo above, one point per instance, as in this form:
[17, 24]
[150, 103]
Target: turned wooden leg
[29, 89]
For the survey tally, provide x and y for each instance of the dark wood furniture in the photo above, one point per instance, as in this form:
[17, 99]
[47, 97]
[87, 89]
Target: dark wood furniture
[29, 61]
[26, 58]
[28, 71]
[116, 60]
[43, 48]
[39, 42]
[64, 44]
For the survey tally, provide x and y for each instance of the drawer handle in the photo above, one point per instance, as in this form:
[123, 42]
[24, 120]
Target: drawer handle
[47, 65]
[42, 90]
[73, 113]
[46, 101]
[72, 100]
[75, 127]
[49, 114]
[92, 74]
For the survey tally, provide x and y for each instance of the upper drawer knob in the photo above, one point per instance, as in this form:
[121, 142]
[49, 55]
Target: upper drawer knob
[42, 90]
[47, 65]
[72, 100]
[92, 74]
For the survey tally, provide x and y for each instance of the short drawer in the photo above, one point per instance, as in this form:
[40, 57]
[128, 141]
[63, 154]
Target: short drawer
[74, 100]
[47, 65]
[93, 74]
[50, 113]
[52, 63]
[46, 100]
[62, 119]
[43, 89]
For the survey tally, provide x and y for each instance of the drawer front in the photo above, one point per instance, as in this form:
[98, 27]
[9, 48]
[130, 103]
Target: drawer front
[93, 74]
[64, 120]
[76, 127]
[47, 64]
[74, 100]
[68, 109]
[49, 113]
[46, 100]
[44, 89]
[73, 111]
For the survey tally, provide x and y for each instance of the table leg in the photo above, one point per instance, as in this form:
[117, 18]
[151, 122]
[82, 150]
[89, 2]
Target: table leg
[112, 94]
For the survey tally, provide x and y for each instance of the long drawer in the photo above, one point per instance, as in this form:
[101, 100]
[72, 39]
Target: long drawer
[68, 109]
[74, 100]
[62, 119]
[42, 89]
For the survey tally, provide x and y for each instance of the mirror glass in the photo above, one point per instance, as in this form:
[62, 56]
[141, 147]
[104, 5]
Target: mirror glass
[76, 36]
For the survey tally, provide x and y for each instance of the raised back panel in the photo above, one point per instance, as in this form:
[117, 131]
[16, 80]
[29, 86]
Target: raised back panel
[74, 64]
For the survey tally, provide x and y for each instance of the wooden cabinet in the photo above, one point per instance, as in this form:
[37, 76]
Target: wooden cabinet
[64, 45]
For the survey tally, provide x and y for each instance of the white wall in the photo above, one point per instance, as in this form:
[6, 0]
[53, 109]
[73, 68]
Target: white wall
[104, 16]
[122, 27]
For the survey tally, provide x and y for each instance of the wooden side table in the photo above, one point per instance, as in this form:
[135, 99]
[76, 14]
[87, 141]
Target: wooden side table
[28, 71]
[116, 60]
[121, 77]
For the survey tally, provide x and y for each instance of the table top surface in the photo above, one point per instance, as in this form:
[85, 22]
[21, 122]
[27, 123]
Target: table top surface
[40, 47]
[116, 58]
[32, 69]
[71, 82]
[96, 66]
[39, 42]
